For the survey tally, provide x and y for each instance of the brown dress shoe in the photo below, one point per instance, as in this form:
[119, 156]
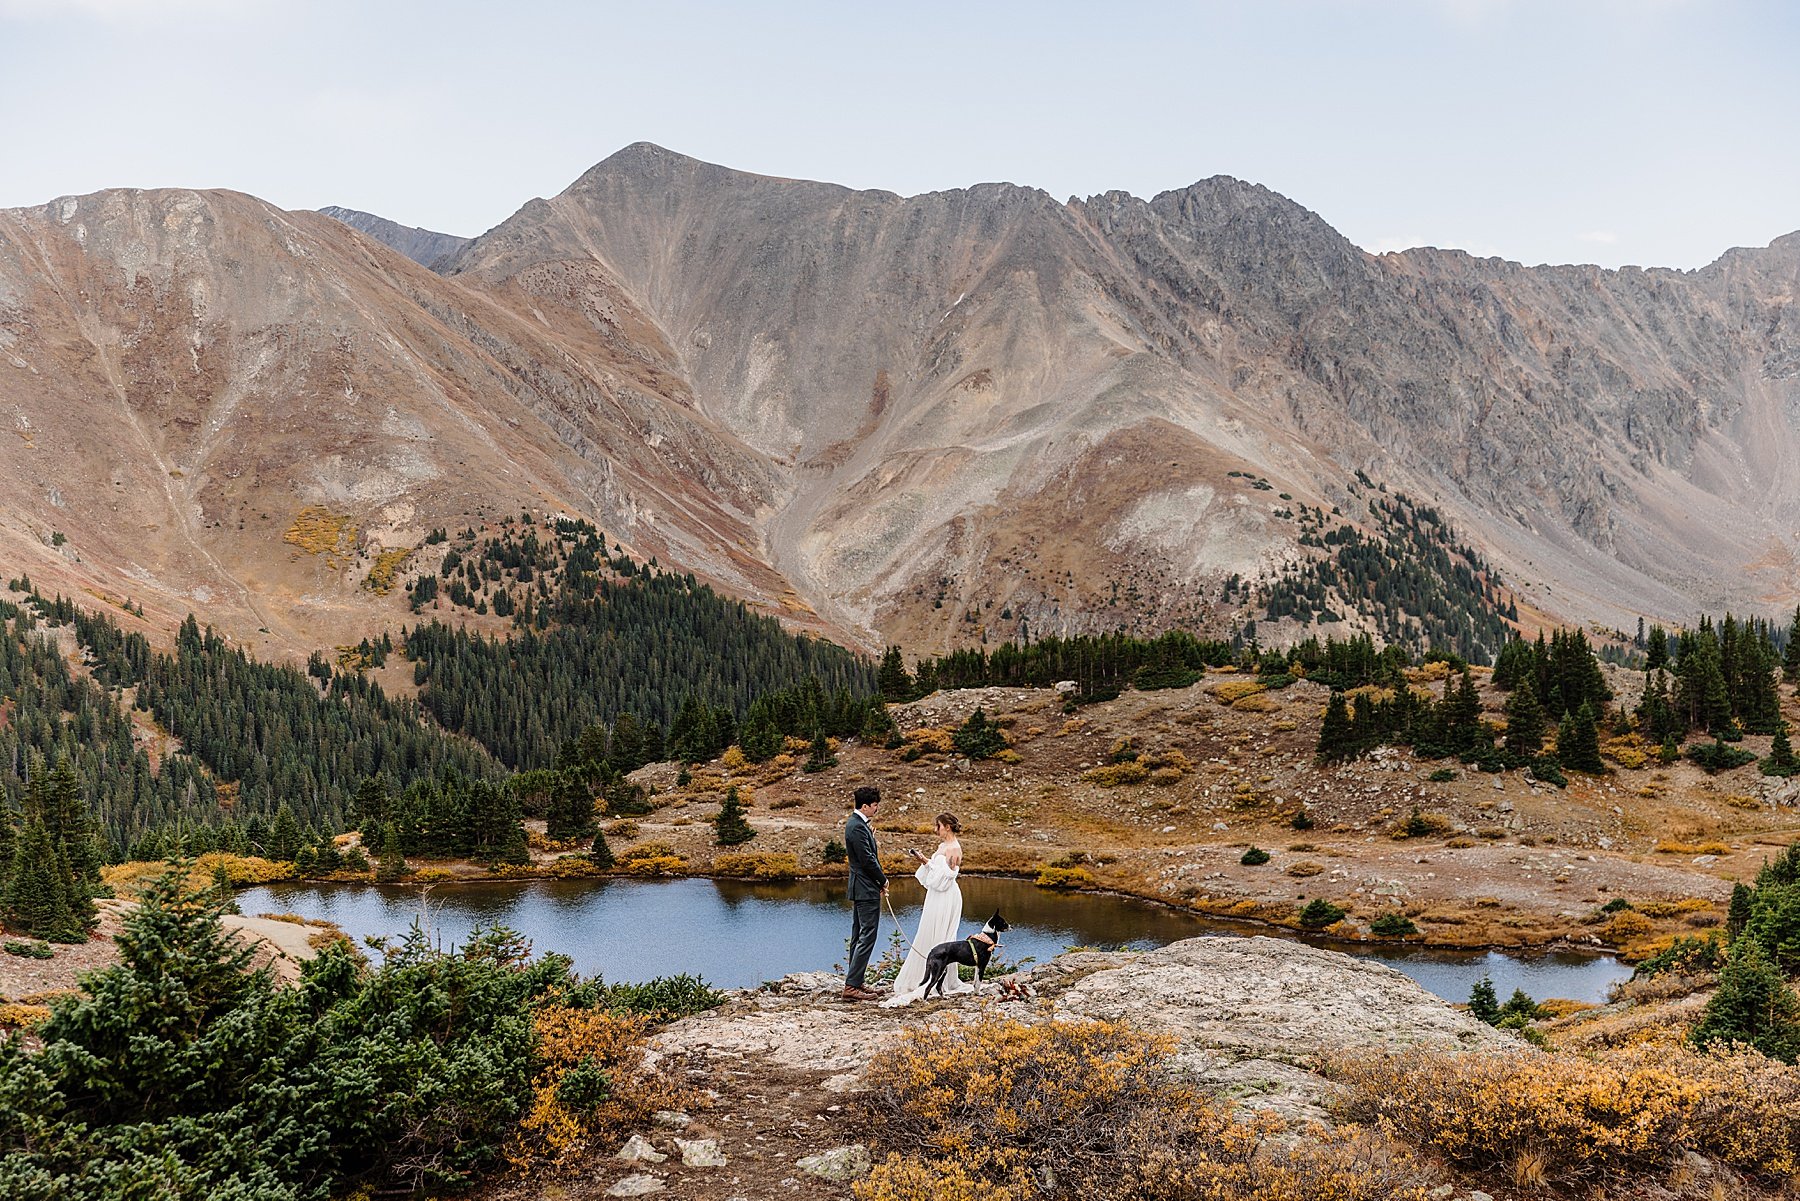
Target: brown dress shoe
[855, 994]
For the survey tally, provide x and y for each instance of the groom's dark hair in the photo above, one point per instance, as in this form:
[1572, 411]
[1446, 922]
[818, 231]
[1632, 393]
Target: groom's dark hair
[866, 795]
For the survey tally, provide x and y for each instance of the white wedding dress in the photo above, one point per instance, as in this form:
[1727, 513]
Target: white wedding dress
[941, 922]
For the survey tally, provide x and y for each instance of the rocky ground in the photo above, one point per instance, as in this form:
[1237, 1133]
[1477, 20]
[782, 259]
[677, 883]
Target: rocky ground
[783, 1062]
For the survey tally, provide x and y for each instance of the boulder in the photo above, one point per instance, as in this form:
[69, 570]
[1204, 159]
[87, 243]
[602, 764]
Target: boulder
[638, 1149]
[701, 1152]
[839, 1165]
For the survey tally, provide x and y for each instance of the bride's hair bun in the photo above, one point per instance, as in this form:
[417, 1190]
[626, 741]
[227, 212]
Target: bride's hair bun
[949, 819]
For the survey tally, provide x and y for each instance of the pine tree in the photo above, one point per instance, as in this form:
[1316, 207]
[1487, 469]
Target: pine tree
[1753, 1006]
[1578, 742]
[72, 831]
[1790, 661]
[393, 862]
[37, 898]
[1656, 654]
[571, 811]
[759, 739]
[284, 840]
[369, 808]
[893, 681]
[732, 827]
[1484, 1003]
[978, 737]
[9, 839]
[1463, 730]
[1737, 913]
[821, 756]
[1524, 721]
[223, 893]
[1337, 736]
[1781, 760]
[600, 853]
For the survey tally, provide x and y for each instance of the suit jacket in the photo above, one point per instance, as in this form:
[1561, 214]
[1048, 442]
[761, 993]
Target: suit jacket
[866, 877]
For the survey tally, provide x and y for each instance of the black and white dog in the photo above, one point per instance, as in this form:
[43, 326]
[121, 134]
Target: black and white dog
[974, 951]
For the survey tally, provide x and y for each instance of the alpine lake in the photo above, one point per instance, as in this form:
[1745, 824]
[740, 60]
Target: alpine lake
[738, 934]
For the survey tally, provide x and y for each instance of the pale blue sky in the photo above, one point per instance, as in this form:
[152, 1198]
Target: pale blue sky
[1610, 131]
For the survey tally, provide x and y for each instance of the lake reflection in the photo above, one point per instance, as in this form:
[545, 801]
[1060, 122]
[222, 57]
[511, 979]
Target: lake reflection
[738, 934]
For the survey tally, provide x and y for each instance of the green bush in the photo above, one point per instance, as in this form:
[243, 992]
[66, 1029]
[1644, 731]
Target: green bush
[182, 1075]
[1254, 857]
[1715, 757]
[1320, 913]
[1393, 925]
[835, 851]
[1442, 775]
[663, 999]
[28, 950]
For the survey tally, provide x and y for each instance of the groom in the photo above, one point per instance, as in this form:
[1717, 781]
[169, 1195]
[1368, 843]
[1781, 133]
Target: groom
[868, 884]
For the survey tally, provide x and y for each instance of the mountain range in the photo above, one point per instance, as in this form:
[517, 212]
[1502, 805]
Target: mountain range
[922, 419]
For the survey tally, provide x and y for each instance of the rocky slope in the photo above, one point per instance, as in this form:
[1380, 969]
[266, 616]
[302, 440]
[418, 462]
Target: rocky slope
[929, 418]
[422, 246]
[949, 377]
[219, 406]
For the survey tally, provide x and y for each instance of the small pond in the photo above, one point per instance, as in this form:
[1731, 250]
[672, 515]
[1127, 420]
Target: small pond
[739, 934]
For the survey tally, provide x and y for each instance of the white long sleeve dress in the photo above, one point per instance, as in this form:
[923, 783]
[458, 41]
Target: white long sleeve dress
[940, 922]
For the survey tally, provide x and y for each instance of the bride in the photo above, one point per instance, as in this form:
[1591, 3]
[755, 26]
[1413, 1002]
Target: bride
[942, 919]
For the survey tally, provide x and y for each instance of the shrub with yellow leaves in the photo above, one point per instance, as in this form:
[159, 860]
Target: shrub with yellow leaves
[1065, 877]
[756, 865]
[1113, 775]
[1567, 1119]
[651, 859]
[1229, 692]
[590, 1081]
[1004, 1110]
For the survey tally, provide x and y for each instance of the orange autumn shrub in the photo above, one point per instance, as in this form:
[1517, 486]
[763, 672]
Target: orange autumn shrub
[590, 1081]
[1626, 1114]
[1004, 1110]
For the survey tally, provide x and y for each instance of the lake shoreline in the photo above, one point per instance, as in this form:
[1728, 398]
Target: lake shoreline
[1526, 951]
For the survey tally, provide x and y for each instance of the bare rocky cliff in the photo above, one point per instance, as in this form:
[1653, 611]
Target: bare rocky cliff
[422, 246]
[927, 418]
[948, 377]
[219, 406]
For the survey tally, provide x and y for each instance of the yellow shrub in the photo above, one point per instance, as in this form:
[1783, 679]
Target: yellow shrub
[733, 759]
[577, 1045]
[623, 828]
[931, 740]
[242, 870]
[1228, 692]
[1112, 775]
[756, 865]
[317, 530]
[1065, 877]
[387, 567]
[1561, 1007]
[1007, 756]
[22, 1017]
[1255, 704]
[909, 1178]
[1626, 925]
[1164, 776]
[1305, 867]
[1630, 751]
[1738, 800]
[432, 875]
[1563, 1118]
[1669, 846]
[1093, 1105]
[651, 859]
